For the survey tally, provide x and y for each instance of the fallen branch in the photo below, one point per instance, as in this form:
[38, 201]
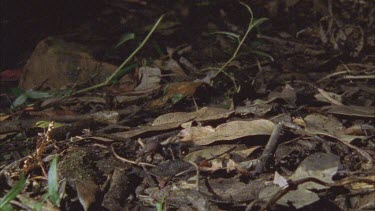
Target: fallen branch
[270, 149]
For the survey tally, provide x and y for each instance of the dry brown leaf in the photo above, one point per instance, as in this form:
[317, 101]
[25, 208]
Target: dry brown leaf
[176, 117]
[150, 79]
[329, 126]
[212, 165]
[322, 166]
[171, 121]
[4, 117]
[363, 185]
[86, 190]
[106, 117]
[90, 99]
[146, 129]
[227, 131]
[247, 152]
[173, 66]
[320, 124]
[204, 114]
[180, 89]
[328, 97]
[288, 94]
[208, 153]
[359, 111]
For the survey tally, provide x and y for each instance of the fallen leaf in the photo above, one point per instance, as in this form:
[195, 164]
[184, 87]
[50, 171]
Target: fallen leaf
[86, 191]
[208, 153]
[258, 109]
[106, 117]
[4, 117]
[288, 94]
[298, 198]
[328, 97]
[183, 89]
[170, 168]
[364, 185]
[137, 132]
[329, 126]
[227, 131]
[203, 114]
[359, 111]
[212, 165]
[246, 152]
[150, 79]
[90, 99]
[173, 66]
[279, 180]
[322, 166]
[320, 124]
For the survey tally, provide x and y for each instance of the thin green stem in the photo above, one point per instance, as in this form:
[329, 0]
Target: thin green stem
[249, 28]
[115, 74]
[136, 50]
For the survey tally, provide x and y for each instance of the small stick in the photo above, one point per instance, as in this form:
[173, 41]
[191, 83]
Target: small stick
[197, 180]
[129, 161]
[270, 148]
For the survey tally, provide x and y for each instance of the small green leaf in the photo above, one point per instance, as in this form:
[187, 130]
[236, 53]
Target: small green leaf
[230, 34]
[38, 206]
[176, 98]
[12, 194]
[126, 37]
[16, 91]
[20, 100]
[7, 207]
[261, 53]
[160, 205]
[53, 183]
[165, 89]
[259, 21]
[45, 124]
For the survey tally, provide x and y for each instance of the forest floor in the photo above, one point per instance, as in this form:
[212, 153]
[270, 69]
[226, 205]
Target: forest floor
[180, 105]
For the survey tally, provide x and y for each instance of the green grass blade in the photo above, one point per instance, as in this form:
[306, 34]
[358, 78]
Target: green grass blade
[230, 34]
[251, 25]
[126, 37]
[53, 183]
[122, 72]
[137, 49]
[12, 193]
[20, 100]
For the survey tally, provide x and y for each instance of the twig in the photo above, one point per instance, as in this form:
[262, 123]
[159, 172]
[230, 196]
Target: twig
[129, 161]
[328, 97]
[251, 204]
[358, 77]
[197, 175]
[270, 148]
[331, 75]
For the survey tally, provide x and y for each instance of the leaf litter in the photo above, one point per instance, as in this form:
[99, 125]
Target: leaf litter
[227, 106]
